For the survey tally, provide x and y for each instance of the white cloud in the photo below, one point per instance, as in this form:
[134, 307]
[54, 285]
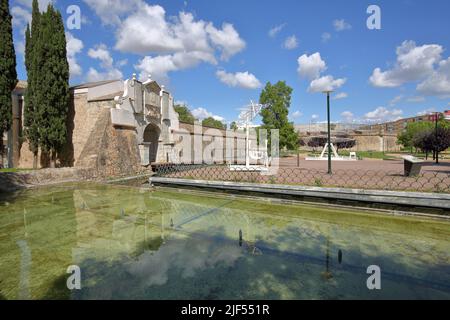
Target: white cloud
[174, 43]
[326, 83]
[20, 17]
[110, 12]
[227, 39]
[381, 114]
[94, 75]
[413, 64]
[311, 67]
[19, 47]
[101, 52]
[202, 113]
[395, 100]
[74, 46]
[122, 63]
[326, 37]
[297, 114]
[148, 31]
[416, 99]
[347, 116]
[43, 4]
[341, 25]
[290, 42]
[426, 112]
[159, 66]
[244, 80]
[438, 83]
[341, 95]
[275, 30]
[315, 117]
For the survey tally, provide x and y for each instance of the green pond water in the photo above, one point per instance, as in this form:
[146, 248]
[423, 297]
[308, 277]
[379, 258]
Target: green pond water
[131, 243]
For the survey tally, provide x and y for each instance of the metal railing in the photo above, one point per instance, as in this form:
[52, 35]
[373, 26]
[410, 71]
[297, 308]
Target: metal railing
[435, 181]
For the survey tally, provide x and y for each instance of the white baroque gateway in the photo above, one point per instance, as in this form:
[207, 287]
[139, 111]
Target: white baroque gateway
[148, 108]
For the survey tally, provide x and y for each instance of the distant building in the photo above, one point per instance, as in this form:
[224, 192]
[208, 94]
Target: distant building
[447, 114]
[396, 127]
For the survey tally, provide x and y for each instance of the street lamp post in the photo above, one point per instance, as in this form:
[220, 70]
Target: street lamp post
[436, 118]
[328, 92]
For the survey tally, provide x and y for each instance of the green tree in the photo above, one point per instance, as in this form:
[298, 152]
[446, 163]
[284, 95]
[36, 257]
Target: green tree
[406, 138]
[32, 64]
[233, 126]
[8, 74]
[51, 95]
[434, 140]
[276, 115]
[184, 113]
[213, 123]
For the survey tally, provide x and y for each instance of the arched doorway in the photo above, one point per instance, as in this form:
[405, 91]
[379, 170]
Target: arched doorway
[151, 141]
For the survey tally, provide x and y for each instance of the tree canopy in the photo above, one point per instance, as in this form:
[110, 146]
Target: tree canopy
[48, 73]
[426, 137]
[406, 138]
[185, 115]
[32, 63]
[8, 74]
[275, 116]
[213, 123]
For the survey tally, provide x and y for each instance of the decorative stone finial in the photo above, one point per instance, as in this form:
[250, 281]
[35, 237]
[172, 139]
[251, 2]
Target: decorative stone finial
[134, 76]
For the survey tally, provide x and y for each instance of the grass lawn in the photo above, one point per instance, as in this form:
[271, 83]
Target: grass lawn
[14, 170]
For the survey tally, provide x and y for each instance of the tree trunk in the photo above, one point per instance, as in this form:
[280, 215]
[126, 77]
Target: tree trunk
[52, 159]
[426, 155]
[437, 157]
[35, 160]
[1, 151]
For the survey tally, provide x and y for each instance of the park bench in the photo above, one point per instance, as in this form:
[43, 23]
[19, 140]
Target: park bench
[412, 166]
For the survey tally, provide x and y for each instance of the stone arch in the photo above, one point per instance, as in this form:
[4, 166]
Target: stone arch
[151, 142]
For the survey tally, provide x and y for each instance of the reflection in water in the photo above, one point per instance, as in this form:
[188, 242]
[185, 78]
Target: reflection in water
[143, 254]
[327, 274]
[25, 265]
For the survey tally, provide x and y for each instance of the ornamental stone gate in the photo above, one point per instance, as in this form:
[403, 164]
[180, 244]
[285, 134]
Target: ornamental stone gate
[148, 108]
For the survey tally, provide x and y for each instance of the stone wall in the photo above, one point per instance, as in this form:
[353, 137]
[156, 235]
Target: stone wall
[93, 142]
[110, 150]
[376, 143]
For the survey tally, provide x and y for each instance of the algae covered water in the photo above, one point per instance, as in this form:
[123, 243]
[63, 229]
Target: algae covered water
[132, 243]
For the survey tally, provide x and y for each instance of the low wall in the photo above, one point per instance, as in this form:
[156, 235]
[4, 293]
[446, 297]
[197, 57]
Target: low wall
[11, 181]
[395, 202]
[375, 143]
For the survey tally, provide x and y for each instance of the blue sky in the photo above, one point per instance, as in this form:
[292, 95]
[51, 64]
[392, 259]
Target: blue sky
[217, 55]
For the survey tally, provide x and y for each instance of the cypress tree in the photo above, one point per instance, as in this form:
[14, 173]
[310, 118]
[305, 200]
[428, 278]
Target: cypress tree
[52, 87]
[32, 62]
[8, 74]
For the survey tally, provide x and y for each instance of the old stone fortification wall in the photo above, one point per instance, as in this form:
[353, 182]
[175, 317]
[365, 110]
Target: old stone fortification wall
[109, 150]
[376, 143]
[81, 122]
[209, 137]
[93, 142]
